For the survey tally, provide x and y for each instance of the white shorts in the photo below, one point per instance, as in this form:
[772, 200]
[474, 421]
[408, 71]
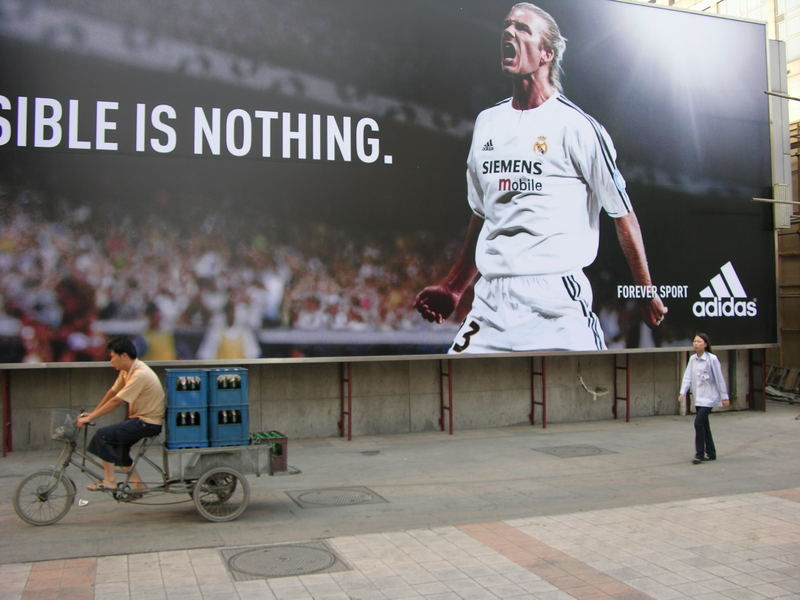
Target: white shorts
[524, 314]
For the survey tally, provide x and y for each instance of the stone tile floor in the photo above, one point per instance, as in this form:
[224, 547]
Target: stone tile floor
[735, 547]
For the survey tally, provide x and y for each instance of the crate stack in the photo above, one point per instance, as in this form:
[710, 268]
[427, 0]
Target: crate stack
[228, 411]
[187, 408]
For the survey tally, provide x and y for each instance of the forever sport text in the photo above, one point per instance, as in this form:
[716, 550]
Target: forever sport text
[651, 291]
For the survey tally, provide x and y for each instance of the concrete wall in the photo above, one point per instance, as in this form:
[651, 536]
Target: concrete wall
[388, 397]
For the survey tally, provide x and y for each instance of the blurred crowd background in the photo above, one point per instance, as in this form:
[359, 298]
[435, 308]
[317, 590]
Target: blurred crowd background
[70, 276]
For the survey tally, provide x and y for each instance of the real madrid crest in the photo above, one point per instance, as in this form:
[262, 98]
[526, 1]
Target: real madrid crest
[540, 145]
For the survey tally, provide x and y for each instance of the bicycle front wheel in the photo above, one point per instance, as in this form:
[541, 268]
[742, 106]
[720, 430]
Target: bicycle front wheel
[44, 497]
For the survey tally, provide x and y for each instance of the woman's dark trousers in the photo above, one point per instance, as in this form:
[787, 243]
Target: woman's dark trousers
[703, 441]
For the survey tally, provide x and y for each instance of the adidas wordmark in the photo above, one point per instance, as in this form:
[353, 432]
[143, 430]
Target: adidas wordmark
[725, 297]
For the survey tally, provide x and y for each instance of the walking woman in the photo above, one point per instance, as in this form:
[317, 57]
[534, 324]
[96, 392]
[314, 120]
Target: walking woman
[704, 376]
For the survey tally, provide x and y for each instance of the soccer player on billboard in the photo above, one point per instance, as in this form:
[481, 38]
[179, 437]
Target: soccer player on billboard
[539, 171]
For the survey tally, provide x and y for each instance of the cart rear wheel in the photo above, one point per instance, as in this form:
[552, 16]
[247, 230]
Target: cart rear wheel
[221, 494]
[44, 497]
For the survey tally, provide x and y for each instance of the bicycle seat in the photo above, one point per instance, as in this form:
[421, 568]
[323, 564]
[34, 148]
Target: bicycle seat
[143, 443]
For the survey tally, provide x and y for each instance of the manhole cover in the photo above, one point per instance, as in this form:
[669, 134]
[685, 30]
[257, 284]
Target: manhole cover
[335, 497]
[574, 451]
[286, 560]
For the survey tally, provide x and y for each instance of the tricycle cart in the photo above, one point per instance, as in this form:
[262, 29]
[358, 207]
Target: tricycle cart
[213, 477]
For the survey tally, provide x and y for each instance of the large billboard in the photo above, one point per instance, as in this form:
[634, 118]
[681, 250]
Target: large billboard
[360, 178]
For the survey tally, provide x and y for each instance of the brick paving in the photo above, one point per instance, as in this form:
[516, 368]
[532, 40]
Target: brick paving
[738, 547]
[478, 515]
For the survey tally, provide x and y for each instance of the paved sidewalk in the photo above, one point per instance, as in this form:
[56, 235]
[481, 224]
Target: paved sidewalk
[742, 546]
[490, 514]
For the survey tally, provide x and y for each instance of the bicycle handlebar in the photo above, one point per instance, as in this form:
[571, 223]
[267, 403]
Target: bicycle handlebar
[82, 413]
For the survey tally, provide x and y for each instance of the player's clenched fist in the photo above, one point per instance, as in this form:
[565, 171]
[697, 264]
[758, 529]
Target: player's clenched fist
[436, 303]
[654, 312]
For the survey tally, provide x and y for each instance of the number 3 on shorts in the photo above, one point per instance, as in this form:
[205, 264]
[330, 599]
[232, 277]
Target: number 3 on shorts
[473, 329]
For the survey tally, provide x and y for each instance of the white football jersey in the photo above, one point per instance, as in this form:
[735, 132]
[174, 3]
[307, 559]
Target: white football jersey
[539, 178]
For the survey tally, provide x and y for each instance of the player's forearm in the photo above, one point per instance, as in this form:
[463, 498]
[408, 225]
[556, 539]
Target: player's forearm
[630, 239]
[464, 272]
[461, 276]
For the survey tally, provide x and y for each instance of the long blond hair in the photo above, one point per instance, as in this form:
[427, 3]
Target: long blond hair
[553, 40]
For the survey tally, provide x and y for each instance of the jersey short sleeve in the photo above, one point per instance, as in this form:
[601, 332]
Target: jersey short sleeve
[595, 159]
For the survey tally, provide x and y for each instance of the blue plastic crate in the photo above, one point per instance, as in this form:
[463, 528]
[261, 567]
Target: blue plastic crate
[227, 387]
[187, 427]
[228, 425]
[187, 388]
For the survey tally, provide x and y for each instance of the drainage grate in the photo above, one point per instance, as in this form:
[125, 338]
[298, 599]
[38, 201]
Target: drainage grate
[284, 560]
[335, 497]
[573, 451]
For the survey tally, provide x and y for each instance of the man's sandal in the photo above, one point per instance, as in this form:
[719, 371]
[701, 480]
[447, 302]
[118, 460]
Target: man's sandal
[100, 486]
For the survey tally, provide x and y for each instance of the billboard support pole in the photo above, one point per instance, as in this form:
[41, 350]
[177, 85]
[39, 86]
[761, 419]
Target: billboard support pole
[627, 392]
[756, 396]
[7, 445]
[543, 403]
[346, 401]
[446, 371]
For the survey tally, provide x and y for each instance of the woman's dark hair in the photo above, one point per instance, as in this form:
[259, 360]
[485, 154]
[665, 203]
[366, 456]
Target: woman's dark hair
[704, 337]
[122, 345]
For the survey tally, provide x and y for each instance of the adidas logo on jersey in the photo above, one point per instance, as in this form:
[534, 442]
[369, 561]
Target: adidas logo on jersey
[488, 146]
[724, 297]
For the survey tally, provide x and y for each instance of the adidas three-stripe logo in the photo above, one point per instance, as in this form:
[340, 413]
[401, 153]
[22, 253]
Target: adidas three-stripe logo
[724, 285]
[488, 146]
[722, 296]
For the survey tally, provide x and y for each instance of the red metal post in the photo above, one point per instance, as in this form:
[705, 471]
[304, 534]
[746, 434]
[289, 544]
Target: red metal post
[532, 414]
[7, 441]
[534, 403]
[627, 396]
[751, 401]
[761, 390]
[448, 406]
[627, 388]
[346, 400]
[614, 397]
[450, 394]
[544, 393]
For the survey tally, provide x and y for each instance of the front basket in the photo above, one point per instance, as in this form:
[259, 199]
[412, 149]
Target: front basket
[63, 424]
